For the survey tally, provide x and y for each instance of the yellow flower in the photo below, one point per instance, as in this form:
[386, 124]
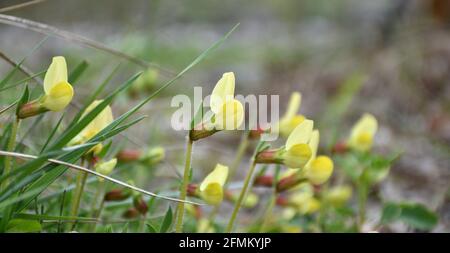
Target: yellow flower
[58, 92]
[211, 189]
[228, 112]
[312, 205]
[298, 152]
[154, 156]
[105, 168]
[303, 199]
[291, 119]
[362, 133]
[320, 170]
[250, 200]
[102, 120]
[339, 195]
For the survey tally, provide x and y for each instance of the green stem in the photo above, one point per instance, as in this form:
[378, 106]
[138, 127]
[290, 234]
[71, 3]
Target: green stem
[142, 223]
[96, 211]
[238, 204]
[237, 160]
[81, 181]
[239, 154]
[10, 147]
[268, 213]
[362, 202]
[183, 190]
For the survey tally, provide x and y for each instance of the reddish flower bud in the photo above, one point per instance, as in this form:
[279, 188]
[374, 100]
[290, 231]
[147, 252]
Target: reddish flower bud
[192, 190]
[340, 148]
[140, 205]
[116, 195]
[128, 155]
[282, 200]
[289, 182]
[264, 180]
[130, 213]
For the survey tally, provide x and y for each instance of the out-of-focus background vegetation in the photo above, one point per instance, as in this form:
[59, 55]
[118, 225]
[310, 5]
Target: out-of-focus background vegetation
[399, 48]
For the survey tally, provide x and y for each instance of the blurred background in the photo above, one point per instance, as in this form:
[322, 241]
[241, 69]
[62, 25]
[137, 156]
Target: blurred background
[387, 57]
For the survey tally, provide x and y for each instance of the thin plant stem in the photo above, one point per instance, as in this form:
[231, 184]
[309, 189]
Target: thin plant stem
[238, 204]
[362, 202]
[10, 147]
[271, 202]
[96, 211]
[183, 190]
[142, 223]
[81, 181]
[237, 160]
[239, 154]
[268, 212]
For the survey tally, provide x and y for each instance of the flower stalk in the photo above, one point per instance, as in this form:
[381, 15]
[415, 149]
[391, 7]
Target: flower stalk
[183, 189]
[238, 204]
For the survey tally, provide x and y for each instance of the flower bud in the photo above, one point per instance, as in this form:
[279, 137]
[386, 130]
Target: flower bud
[117, 195]
[153, 156]
[339, 195]
[263, 180]
[362, 133]
[105, 168]
[128, 155]
[140, 204]
[130, 213]
[211, 189]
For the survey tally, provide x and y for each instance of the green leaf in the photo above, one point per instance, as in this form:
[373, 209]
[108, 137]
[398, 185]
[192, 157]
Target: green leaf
[167, 221]
[418, 216]
[412, 214]
[77, 72]
[150, 228]
[390, 213]
[23, 226]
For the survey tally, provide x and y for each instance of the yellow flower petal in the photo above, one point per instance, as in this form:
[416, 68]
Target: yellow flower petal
[218, 175]
[314, 145]
[58, 97]
[211, 188]
[301, 134]
[311, 206]
[105, 168]
[103, 119]
[320, 170]
[222, 92]
[297, 156]
[287, 125]
[362, 133]
[230, 117]
[294, 105]
[56, 73]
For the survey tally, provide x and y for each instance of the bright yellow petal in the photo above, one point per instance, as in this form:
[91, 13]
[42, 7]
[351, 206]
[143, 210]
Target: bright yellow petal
[314, 145]
[287, 125]
[222, 92]
[58, 97]
[362, 133]
[218, 175]
[297, 156]
[56, 73]
[230, 117]
[301, 134]
[294, 105]
[320, 170]
[103, 119]
[212, 194]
